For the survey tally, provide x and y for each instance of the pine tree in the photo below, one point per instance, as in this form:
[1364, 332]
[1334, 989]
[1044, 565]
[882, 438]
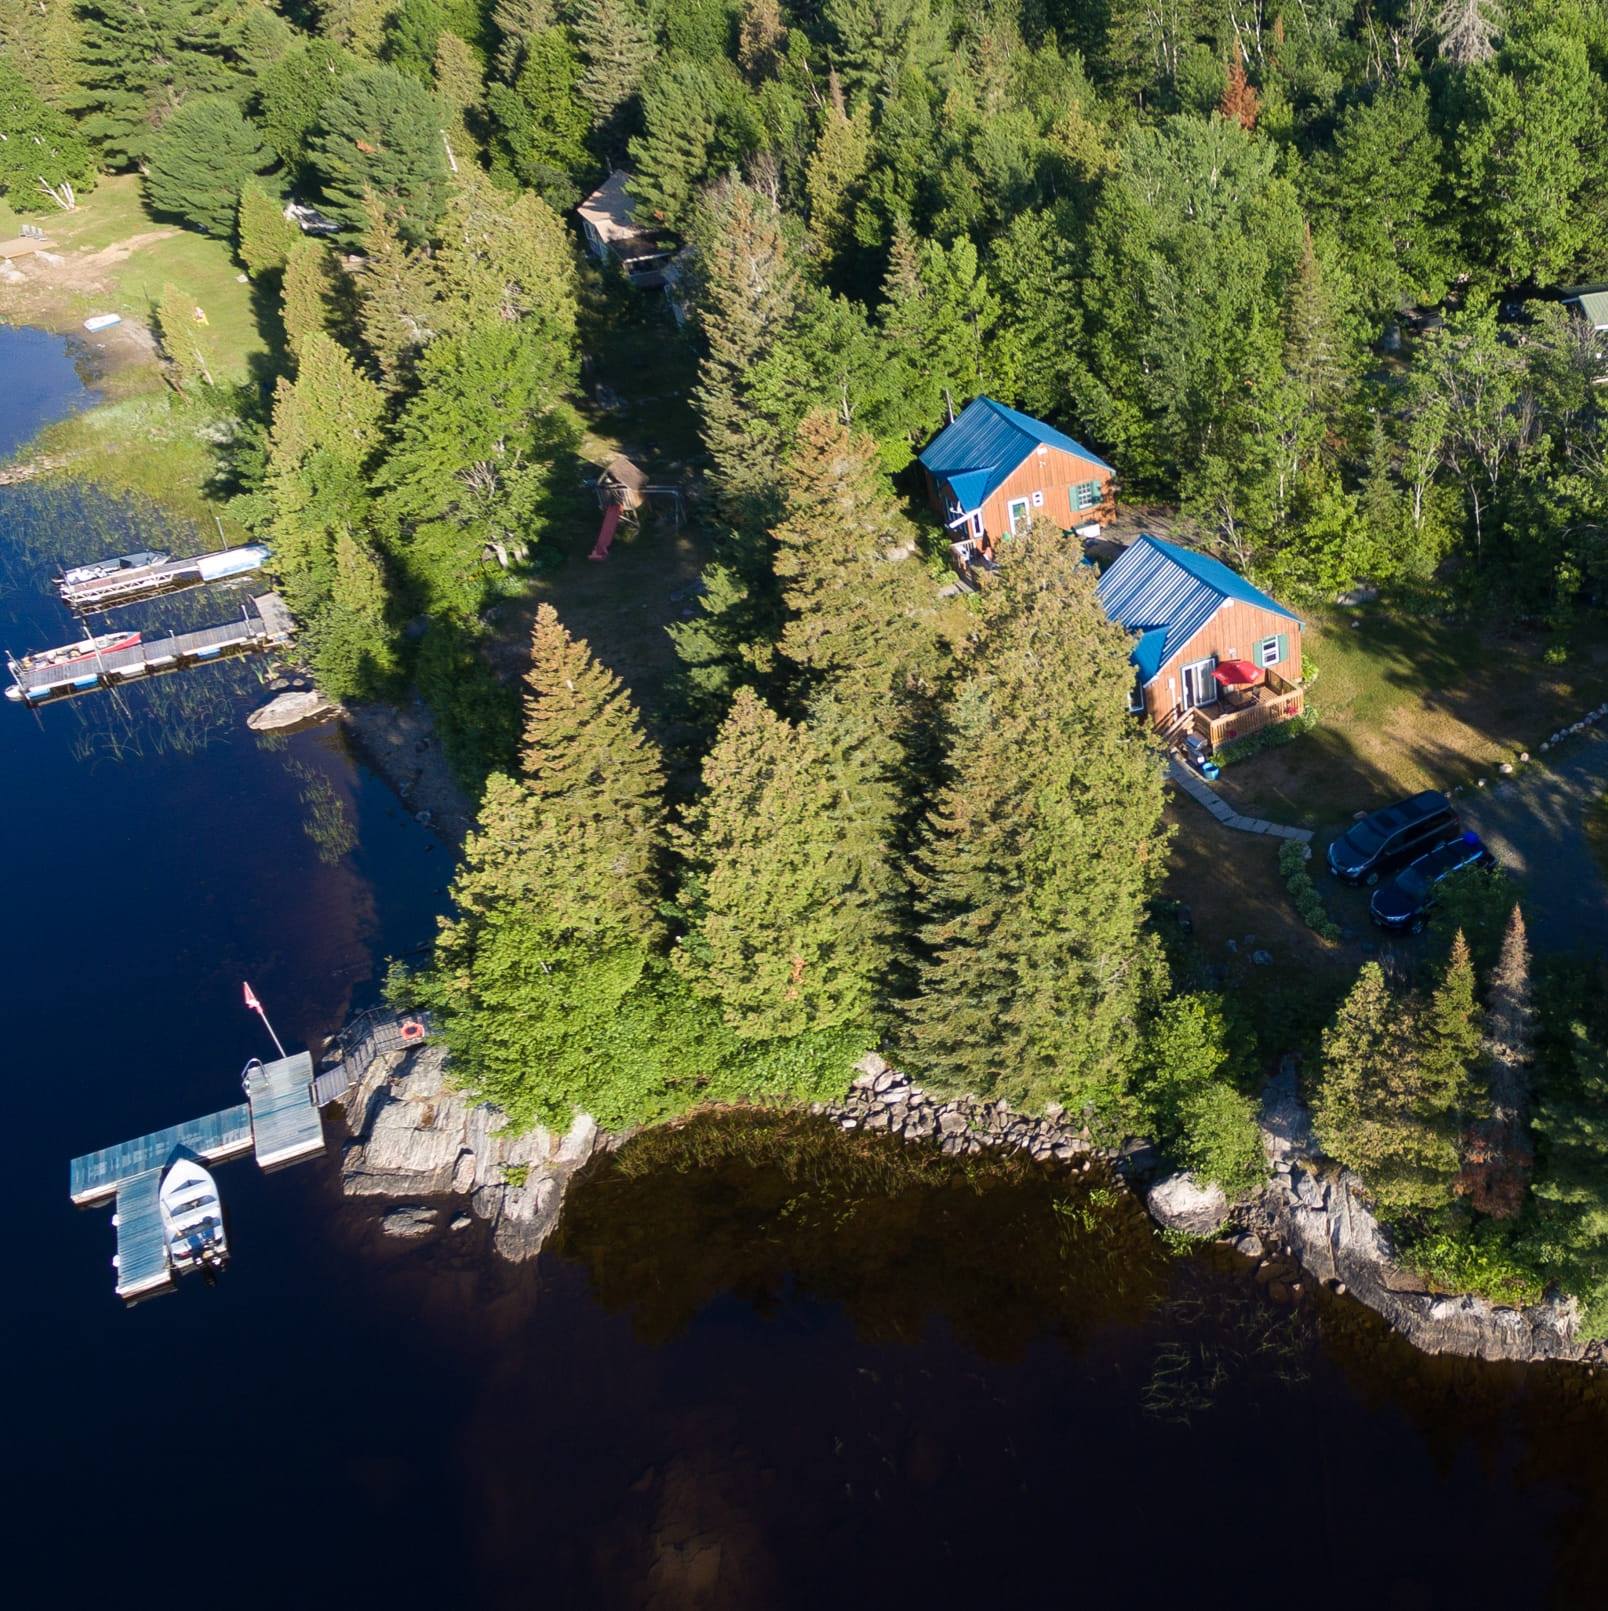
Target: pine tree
[398, 297]
[356, 25]
[1502, 1150]
[1467, 30]
[379, 134]
[290, 91]
[541, 122]
[139, 64]
[835, 169]
[186, 342]
[617, 47]
[590, 766]
[199, 159]
[761, 34]
[1377, 1111]
[350, 642]
[860, 604]
[44, 160]
[680, 101]
[1239, 101]
[264, 236]
[1041, 851]
[43, 36]
[459, 80]
[517, 22]
[1570, 1190]
[748, 298]
[307, 293]
[786, 929]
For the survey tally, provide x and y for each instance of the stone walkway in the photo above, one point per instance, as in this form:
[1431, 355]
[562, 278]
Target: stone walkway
[1197, 788]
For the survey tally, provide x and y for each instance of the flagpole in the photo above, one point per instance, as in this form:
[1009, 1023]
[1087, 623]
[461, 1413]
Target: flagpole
[256, 1007]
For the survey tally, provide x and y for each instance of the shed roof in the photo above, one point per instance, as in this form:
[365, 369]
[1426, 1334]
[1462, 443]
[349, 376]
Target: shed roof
[1592, 300]
[623, 472]
[978, 450]
[1166, 594]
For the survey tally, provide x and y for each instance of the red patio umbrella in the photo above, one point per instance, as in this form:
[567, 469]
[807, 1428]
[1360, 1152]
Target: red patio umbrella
[1238, 674]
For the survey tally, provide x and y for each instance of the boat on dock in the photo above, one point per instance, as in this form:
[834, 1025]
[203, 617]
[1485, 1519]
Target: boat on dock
[69, 655]
[142, 559]
[111, 584]
[37, 680]
[192, 1219]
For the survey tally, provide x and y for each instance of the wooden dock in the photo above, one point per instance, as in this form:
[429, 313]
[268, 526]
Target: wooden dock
[270, 627]
[278, 1121]
[156, 581]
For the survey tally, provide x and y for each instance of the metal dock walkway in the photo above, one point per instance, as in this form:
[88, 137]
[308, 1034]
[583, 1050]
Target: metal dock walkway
[157, 581]
[271, 626]
[278, 1120]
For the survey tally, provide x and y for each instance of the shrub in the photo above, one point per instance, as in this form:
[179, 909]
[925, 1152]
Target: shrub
[1479, 1258]
[1267, 738]
[1220, 1139]
[1303, 892]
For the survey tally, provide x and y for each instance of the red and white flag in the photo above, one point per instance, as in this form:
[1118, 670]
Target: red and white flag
[252, 1003]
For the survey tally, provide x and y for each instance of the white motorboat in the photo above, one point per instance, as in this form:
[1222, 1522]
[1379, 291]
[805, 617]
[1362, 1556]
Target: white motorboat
[192, 1219]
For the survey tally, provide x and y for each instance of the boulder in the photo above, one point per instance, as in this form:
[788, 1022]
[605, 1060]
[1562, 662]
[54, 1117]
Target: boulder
[293, 709]
[412, 1219]
[1181, 1203]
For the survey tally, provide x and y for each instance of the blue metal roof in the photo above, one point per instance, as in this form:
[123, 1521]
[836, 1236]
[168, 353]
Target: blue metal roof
[985, 443]
[1166, 594]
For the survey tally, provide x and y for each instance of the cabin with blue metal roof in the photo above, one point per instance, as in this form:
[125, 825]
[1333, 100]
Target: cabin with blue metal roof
[1214, 657]
[994, 470]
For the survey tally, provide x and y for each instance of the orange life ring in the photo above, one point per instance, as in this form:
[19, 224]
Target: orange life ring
[412, 1029]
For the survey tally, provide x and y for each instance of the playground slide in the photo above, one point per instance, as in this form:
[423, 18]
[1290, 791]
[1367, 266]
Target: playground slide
[605, 534]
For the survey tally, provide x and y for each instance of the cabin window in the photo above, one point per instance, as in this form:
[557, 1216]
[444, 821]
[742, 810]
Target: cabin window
[1270, 651]
[1038, 500]
[1019, 513]
[1086, 495]
[1136, 695]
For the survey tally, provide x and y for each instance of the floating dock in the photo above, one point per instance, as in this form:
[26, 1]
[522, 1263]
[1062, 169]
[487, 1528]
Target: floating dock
[270, 627]
[278, 1121]
[157, 581]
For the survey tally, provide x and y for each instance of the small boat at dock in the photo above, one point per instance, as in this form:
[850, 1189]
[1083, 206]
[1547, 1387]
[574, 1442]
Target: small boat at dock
[70, 654]
[142, 559]
[192, 1219]
[111, 583]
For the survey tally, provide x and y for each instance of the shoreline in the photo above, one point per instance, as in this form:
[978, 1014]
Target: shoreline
[413, 1136]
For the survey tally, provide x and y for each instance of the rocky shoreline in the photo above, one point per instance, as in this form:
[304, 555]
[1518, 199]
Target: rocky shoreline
[417, 1142]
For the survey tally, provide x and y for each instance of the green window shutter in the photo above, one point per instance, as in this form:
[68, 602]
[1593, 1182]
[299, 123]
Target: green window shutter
[1284, 648]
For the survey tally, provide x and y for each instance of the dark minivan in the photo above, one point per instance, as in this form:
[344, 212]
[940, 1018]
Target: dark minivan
[1391, 838]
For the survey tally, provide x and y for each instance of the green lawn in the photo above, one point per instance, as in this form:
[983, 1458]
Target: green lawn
[117, 260]
[1407, 703]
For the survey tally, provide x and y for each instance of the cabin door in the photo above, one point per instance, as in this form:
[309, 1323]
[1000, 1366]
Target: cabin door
[1200, 687]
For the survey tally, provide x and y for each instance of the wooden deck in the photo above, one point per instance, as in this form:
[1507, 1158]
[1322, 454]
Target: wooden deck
[1239, 715]
[252, 634]
[97, 1175]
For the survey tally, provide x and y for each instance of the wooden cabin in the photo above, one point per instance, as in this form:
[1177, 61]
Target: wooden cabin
[1213, 655]
[994, 471]
[614, 234]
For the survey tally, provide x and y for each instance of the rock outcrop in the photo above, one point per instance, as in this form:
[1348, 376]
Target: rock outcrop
[414, 1136]
[1320, 1214]
[300, 707]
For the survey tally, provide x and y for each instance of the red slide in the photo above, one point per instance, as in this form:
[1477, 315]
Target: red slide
[605, 534]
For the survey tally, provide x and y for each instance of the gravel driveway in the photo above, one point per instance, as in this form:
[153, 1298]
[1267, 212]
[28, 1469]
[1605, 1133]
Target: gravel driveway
[1536, 826]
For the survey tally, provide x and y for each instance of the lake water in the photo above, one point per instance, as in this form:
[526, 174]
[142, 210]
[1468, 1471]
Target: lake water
[760, 1369]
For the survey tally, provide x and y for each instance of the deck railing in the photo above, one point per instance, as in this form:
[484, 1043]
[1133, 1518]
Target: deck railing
[1250, 713]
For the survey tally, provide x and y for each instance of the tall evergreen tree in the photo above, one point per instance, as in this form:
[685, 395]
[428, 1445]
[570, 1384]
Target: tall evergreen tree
[186, 341]
[516, 23]
[1572, 1121]
[541, 120]
[458, 76]
[356, 25]
[44, 37]
[264, 237]
[139, 64]
[1503, 1154]
[842, 153]
[199, 159]
[290, 91]
[398, 299]
[1041, 851]
[307, 293]
[44, 160]
[747, 300]
[788, 914]
[617, 46]
[379, 134]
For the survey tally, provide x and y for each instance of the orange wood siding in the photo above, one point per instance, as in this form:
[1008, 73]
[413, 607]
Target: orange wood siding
[1054, 472]
[1232, 634]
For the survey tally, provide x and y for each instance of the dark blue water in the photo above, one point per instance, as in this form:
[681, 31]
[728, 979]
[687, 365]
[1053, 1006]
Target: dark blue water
[753, 1386]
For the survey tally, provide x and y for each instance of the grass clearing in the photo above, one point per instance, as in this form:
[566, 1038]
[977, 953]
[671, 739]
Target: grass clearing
[1413, 703]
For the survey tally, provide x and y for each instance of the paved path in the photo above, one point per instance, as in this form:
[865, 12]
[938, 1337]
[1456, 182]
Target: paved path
[1535, 824]
[1197, 788]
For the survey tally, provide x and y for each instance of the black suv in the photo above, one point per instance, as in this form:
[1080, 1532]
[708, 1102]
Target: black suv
[1405, 901]
[1393, 837]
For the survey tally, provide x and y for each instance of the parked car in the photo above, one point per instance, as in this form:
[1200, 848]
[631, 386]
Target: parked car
[1389, 839]
[1405, 901]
